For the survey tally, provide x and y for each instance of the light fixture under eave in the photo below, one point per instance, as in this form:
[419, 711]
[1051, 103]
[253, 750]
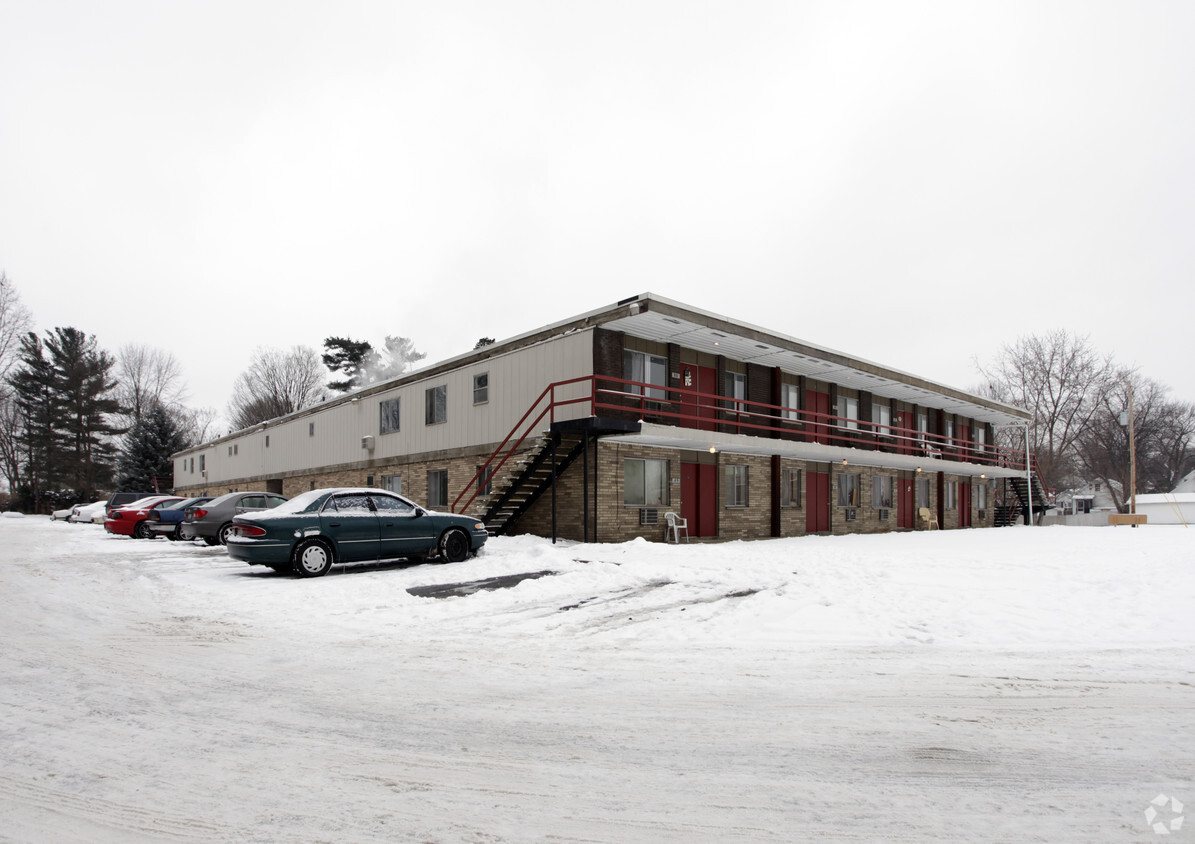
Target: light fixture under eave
[918, 468]
[844, 461]
[713, 449]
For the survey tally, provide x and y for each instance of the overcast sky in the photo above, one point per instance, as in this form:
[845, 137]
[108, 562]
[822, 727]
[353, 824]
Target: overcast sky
[916, 184]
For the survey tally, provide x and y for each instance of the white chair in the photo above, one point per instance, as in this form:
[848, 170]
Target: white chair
[675, 525]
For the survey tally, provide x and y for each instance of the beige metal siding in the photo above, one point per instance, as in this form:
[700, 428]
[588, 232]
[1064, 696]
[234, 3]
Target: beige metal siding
[516, 379]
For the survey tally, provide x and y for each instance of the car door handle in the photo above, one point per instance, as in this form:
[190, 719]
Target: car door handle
[333, 524]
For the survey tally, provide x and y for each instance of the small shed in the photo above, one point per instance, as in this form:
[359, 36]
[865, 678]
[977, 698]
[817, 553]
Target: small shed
[1168, 508]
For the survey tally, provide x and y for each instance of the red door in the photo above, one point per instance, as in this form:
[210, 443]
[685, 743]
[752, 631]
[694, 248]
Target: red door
[698, 411]
[964, 504]
[699, 504]
[817, 432]
[905, 508]
[817, 502]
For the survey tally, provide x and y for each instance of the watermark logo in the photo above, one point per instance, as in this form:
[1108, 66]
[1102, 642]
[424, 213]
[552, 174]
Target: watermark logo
[1168, 806]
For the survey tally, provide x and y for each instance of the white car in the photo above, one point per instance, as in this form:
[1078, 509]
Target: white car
[66, 514]
[88, 512]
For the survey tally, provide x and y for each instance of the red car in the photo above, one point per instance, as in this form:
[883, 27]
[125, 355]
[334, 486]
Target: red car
[130, 520]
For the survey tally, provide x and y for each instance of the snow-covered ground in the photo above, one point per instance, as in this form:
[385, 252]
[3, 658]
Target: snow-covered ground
[1023, 684]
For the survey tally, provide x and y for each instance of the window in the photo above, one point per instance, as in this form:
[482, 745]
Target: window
[881, 415]
[980, 435]
[948, 430]
[650, 369]
[192, 465]
[736, 388]
[437, 488]
[267, 440]
[848, 410]
[881, 492]
[645, 482]
[736, 486]
[790, 487]
[849, 488]
[355, 504]
[436, 405]
[922, 425]
[386, 504]
[790, 398]
[981, 496]
[369, 481]
[230, 451]
[485, 476]
[388, 416]
[392, 483]
[923, 492]
[950, 495]
[481, 388]
[202, 461]
[311, 429]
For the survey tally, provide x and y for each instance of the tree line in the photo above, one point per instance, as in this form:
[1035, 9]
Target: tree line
[1079, 399]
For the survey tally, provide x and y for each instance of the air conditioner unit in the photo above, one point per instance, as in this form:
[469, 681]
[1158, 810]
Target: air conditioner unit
[649, 516]
[367, 442]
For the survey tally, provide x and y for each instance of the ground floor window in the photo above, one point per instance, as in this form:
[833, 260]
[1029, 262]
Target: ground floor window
[645, 482]
[981, 496]
[484, 480]
[437, 488]
[923, 492]
[881, 492]
[790, 487]
[849, 487]
[950, 495]
[736, 486]
[393, 483]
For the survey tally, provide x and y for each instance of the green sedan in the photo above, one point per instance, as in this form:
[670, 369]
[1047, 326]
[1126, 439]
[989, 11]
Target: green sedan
[314, 530]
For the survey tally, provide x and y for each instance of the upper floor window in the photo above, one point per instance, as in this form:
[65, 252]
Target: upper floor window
[388, 416]
[790, 398]
[848, 411]
[736, 388]
[311, 429]
[481, 388]
[980, 435]
[922, 425]
[436, 410]
[881, 415]
[202, 461]
[645, 368]
[948, 429]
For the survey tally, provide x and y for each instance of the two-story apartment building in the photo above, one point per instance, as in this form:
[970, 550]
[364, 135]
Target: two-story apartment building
[597, 426]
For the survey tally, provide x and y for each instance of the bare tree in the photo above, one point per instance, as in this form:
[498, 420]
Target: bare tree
[1063, 382]
[15, 322]
[1163, 433]
[146, 377]
[275, 384]
[12, 424]
[197, 423]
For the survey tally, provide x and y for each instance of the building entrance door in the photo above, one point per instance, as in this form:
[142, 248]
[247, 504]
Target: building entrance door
[817, 431]
[699, 498]
[905, 507]
[817, 502]
[698, 411]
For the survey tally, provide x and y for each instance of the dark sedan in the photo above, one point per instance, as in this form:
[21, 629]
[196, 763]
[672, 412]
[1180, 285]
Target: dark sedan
[324, 526]
[212, 521]
[168, 521]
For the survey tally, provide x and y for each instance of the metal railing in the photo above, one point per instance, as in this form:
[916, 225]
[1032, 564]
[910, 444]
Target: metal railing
[688, 408]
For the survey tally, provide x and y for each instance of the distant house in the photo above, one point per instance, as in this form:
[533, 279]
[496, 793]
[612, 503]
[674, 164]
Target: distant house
[597, 427]
[1091, 498]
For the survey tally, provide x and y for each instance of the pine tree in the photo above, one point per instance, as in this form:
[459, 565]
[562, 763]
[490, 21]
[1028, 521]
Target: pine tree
[351, 358]
[145, 459]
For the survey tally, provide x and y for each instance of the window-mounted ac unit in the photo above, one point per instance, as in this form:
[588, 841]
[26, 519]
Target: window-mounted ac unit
[649, 516]
[367, 443]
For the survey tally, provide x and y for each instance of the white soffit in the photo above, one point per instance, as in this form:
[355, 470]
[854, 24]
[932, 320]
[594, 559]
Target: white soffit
[666, 328]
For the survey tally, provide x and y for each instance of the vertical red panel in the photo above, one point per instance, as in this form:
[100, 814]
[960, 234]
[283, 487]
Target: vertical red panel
[817, 502]
[818, 432]
[905, 499]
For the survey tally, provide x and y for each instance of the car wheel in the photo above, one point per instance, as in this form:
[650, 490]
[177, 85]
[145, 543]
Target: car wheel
[141, 530]
[312, 558]
[223, 534]
[210, 540]
[454, 546]
[175, 535]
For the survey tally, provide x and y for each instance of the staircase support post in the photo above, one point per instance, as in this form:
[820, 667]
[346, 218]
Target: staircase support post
[554, 490]
[585, 487]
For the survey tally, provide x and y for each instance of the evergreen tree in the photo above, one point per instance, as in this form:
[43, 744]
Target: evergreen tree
[64, 393]
[351, 358]
[145, 459]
